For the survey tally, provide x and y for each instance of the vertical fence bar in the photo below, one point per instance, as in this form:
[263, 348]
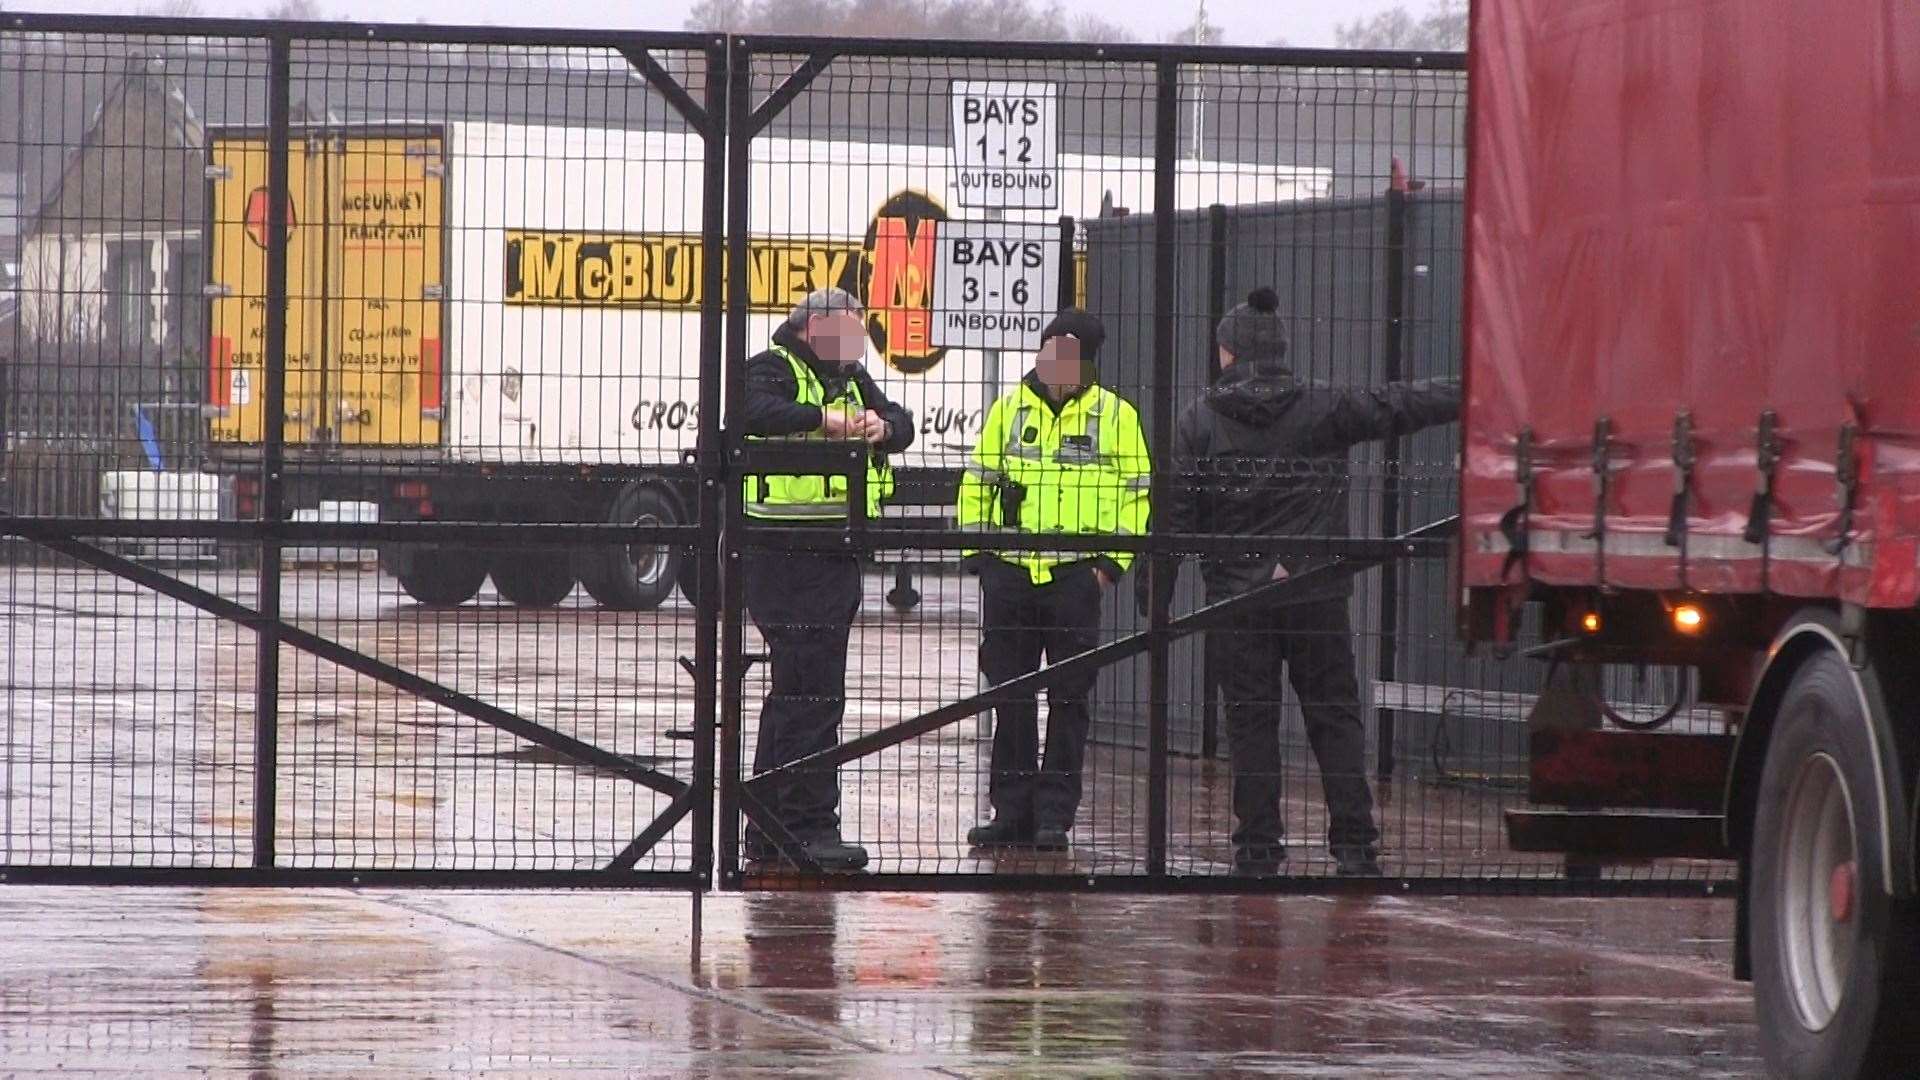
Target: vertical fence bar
[1069, 279]
[273, 407]
[732, 587]
[712, 467]
[1387, 720]
[1166, 133]
[1216, 308]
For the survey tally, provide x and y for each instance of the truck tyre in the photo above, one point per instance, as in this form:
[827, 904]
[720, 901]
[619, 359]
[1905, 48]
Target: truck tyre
[633, 577]
[1833, 953]
[532, 578]
[688, 579]
[443, 577]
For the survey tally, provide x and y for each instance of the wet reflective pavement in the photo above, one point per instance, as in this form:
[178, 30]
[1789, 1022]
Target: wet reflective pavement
[326, 983]
[129, 741]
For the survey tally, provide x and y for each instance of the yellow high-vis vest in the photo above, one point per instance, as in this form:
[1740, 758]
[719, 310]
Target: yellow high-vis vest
[782, 497]
[1085, 470]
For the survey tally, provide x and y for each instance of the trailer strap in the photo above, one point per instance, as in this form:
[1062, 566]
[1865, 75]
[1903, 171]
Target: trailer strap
[1516, 523]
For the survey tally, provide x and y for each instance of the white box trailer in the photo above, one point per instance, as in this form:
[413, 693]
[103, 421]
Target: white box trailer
[501, 322]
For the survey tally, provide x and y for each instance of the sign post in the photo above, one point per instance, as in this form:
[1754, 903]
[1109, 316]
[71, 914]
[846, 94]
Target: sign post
[995, 285]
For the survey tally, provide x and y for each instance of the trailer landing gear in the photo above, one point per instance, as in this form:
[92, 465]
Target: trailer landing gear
[903, 597]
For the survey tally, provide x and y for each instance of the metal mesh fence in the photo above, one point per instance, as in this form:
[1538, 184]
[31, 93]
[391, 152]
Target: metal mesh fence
[416, 465]
[313, 333]
[1293, 738]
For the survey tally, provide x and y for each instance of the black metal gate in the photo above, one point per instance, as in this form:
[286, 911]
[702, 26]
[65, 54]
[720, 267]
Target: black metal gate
[398, 372]
[258, 646]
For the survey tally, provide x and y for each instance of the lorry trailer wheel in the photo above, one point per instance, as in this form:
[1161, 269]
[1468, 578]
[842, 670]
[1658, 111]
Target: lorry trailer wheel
[1833, 953]
[532, 578]
[443, 577]
[687, 578]
[633, 577]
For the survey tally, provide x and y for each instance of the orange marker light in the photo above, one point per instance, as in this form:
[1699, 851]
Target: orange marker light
[1590, 622]
[1688, 619]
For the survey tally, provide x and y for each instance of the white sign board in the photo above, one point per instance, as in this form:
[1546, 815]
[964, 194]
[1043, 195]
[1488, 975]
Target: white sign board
[1006, 145]
[996, 284]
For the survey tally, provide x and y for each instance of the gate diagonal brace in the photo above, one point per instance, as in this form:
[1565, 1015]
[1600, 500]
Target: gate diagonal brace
[373, 668]
[790, 88]
[673, 815]
[1100, 656]
[784, 839]
[669, 87]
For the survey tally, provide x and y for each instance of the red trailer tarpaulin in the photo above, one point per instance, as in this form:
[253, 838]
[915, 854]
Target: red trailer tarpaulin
[1667, 243]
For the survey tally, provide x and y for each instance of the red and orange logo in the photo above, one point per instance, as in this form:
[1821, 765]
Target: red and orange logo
[896, 280]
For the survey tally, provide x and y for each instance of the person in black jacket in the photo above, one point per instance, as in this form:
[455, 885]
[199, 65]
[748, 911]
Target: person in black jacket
[804, 602]
[1265, 454]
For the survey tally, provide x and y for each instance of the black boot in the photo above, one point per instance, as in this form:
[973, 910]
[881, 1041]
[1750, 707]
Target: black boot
[1258, 860]
[1357, 860]
[1001, 832]
[836, 856]
[1050, 838]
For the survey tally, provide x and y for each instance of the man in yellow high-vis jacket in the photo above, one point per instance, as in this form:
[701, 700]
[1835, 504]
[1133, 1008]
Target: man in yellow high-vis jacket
[1058, 454]
[811, 384]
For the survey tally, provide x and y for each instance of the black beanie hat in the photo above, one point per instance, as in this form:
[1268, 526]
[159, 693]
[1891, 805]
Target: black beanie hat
[1073, 322]
[1255, 330]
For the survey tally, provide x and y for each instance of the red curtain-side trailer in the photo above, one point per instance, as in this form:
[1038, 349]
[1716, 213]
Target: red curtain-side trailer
[1692, 438]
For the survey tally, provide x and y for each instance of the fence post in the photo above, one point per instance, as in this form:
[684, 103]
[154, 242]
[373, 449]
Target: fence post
[273, 408]
[734, 379]
[1166, 133]
[1387, 720]
[712, 465]
[1216, 309]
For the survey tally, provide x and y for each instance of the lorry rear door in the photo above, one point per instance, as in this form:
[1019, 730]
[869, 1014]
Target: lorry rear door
[238, 326]
[365, 290]
[387, 291]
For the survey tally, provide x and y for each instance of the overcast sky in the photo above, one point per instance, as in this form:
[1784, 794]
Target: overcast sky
[1246, 22]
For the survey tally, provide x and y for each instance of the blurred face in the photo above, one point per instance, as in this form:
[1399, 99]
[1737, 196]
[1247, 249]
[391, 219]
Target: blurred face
[838, 337]
[1058, 364]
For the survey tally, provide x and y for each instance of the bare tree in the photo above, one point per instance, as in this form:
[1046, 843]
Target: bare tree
[171, 9]
[722, 15]
[1087, 26]
[993, 20]
[294, 11]
[1444, 26]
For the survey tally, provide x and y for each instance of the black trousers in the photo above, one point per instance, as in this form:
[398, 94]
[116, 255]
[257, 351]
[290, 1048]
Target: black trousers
[1020, 623]
[1314, 642]
[804, 605]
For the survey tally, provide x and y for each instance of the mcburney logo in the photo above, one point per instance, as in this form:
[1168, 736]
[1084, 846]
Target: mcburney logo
[891, 271]
[897, 281]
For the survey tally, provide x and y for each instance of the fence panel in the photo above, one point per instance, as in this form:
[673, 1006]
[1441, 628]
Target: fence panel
[386, 444]
[1156, 188]
[378, 362]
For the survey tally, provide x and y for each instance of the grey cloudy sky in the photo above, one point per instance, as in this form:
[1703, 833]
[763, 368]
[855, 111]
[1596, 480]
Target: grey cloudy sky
[1249, 22]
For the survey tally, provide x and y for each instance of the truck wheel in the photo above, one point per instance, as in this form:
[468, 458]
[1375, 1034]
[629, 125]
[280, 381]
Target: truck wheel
[1833, 953]
[532, 578]
[687, 580]
[443, 577]
[633, 577]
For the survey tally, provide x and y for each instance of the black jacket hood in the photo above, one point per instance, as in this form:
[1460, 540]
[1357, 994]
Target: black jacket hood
[1256, 394]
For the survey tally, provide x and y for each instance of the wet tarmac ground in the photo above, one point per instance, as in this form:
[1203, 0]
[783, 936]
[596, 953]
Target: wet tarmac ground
[129, 741]
[377, 984]
[128, 737]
